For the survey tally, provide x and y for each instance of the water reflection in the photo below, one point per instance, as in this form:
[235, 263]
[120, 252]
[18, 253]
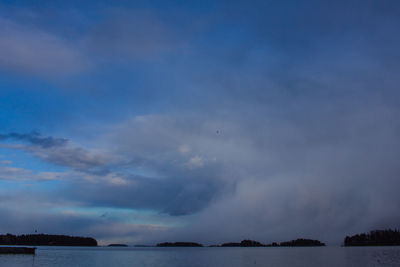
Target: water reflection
[202, 257]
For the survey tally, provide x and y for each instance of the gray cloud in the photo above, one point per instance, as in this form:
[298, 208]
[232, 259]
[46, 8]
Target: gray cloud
[324, 172]
[34, 51]
[130, 34]
[26, 175]
[73, 157]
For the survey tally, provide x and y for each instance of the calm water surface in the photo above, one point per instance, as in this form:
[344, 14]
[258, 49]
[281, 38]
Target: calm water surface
[206, 257]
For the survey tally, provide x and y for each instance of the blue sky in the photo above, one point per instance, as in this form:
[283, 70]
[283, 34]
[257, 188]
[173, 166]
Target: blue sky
[206, 121]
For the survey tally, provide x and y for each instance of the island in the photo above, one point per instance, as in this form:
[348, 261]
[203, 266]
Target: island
[117, 245]
[244, 243]
[46, 240]
[179, 244]
[302, 242]
[374, 238]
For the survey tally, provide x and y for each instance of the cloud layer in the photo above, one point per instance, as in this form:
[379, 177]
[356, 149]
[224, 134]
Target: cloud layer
[267, 121]
[33, 51]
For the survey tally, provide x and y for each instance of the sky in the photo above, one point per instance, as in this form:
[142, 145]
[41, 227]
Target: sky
[141, 122]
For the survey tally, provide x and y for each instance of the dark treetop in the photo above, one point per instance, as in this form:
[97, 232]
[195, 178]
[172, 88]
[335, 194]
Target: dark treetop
[46, 240]
[244, 243]
[301, 242]
[374, 238]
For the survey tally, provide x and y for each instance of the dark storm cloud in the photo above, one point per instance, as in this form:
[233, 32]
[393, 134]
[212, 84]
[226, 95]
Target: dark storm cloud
[35, 138]
[176, 196]
[60, 151]
[186, 190]
[316, 164]
[333, 169]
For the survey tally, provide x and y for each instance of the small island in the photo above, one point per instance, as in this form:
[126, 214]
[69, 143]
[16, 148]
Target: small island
[179, 244]
[244, 243]
[302, 242]
[374, 238]
[46, 240]
[117, 245]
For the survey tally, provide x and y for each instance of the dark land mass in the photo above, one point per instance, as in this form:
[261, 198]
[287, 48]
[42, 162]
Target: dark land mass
[301, 242]
[46, 240]
[117, 245]
[374, 238]
[244, 243]
[179, 244]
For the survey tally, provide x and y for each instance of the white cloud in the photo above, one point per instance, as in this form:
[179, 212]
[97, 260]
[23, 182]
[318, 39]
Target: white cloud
[195, 162]
[184, 149]
[115, 180]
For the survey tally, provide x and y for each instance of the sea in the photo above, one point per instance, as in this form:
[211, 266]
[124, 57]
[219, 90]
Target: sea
[206, 257]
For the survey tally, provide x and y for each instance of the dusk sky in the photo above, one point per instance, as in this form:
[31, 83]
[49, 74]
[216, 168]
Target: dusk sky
[209, 121]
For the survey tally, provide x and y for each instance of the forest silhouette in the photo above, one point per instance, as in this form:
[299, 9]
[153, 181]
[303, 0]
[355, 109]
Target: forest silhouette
[46, 240]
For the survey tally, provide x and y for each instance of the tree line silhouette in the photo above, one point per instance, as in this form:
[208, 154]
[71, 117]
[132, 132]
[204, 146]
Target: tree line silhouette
[301, 242]
[387, 237]
[46, 240]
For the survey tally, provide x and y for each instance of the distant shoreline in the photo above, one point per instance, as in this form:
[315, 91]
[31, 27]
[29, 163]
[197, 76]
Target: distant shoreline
[47, 240]
[380, 238]
[300, 242]
[373, 238]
